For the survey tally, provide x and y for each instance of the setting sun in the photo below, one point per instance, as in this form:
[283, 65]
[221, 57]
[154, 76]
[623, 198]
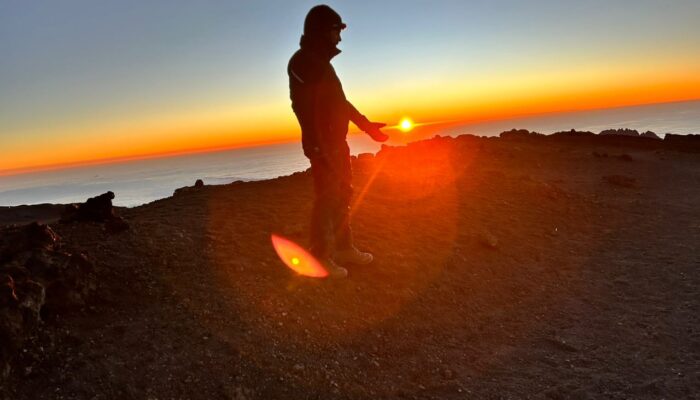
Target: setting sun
[406, 125]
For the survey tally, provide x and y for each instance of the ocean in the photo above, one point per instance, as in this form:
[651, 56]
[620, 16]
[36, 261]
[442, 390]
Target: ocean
[138, 182]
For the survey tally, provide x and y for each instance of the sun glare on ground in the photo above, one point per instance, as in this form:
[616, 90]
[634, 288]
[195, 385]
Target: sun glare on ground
[406, 125]
[297, 258]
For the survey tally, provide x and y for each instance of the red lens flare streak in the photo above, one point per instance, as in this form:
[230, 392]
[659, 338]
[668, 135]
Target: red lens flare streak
[297, 258]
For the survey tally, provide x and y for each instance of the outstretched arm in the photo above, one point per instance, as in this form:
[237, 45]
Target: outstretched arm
[357, 118]
[373, 129]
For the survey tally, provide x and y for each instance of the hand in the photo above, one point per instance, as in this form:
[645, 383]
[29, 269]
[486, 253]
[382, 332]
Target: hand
[373, 129]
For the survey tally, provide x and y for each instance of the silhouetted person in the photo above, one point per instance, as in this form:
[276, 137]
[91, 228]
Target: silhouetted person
[323, 113]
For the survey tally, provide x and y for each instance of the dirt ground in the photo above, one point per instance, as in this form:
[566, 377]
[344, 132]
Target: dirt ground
[504, 270]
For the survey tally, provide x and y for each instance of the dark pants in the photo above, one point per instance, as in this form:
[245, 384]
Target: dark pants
[330, 217]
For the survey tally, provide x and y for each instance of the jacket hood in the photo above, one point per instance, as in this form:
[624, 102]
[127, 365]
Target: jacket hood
[322, 18]
[317, 45]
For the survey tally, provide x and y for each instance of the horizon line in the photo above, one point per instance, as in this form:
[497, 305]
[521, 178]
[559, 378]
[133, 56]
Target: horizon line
[137, 157]
[214, 149]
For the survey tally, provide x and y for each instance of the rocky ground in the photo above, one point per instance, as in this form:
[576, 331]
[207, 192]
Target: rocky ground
[514, 267]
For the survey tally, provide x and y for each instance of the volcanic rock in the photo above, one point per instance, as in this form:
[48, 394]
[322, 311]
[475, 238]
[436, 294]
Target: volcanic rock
[32, 237]
[116, 225]
[96, 209]
[37, 278]
[11, 323]
[68, 278]
[365, 157]
[620, 132]
[20, 305]
[573, 134]
[198, 185]
[439, 311]
[519, 134]
[689, 143]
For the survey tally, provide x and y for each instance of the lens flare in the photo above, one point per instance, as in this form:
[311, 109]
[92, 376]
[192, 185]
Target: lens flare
[297, 258]
[406, 124]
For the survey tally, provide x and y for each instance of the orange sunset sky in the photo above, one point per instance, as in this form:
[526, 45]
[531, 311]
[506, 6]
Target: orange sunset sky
[84, 82]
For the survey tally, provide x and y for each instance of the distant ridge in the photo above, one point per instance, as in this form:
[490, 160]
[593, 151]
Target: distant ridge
[614, 137]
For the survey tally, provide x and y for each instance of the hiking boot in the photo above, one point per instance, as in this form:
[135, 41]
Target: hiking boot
[335, 271]
[353, 256]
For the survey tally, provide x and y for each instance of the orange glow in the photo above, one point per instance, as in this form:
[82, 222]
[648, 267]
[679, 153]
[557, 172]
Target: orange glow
[297, 258]
[77, 143]
[49, 144]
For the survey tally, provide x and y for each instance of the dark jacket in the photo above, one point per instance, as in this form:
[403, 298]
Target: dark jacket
[318, 100]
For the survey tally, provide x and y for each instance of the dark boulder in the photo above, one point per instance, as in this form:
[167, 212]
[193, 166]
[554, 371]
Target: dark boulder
[96, 209]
